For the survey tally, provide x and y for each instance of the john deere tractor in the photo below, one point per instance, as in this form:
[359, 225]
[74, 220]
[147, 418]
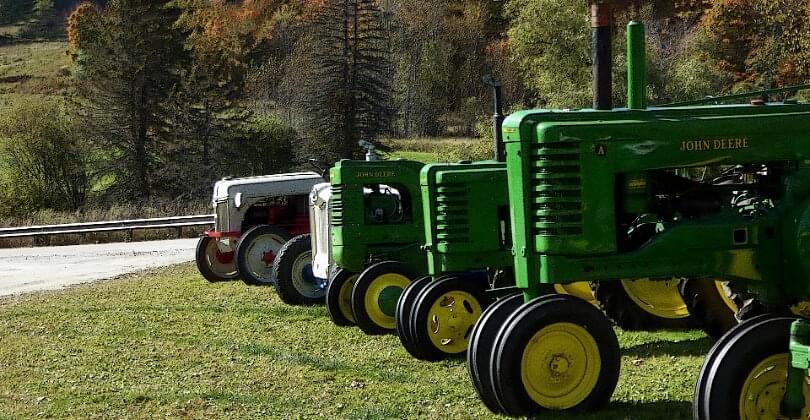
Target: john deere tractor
[376, 233]
[469, 254]
[694, 190]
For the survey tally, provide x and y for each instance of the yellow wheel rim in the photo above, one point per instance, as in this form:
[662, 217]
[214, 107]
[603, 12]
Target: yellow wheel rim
[721, 290]
[581, 289]
[560, 366]
[764, 388]
[451, 319]
[659, 298]
[345, 298]
[381, 296]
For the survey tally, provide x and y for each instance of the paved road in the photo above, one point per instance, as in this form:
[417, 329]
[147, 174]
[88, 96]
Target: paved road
[31, 269]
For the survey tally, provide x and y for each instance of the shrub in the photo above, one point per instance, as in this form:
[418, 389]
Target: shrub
[259, 146]
[42, 159]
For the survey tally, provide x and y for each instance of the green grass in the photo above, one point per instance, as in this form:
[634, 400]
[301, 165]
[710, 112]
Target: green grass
[424, 157]
[35, 68]
[169, 344]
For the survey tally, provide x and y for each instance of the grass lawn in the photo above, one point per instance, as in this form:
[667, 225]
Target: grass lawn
[167, 343]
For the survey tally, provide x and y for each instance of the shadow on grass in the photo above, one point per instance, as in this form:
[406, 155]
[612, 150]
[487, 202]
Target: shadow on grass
[675, 410]
[694, 347]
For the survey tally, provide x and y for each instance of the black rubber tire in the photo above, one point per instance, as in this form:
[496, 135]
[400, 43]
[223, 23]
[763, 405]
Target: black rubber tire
[361, 288]
[707, 307]
[338, 279]
[204, 266]
[729, 362]
[520, 328]
[283, 271]
[246, 241]
[627, 314]
[420, 312]
[482, 341]
[403, 314]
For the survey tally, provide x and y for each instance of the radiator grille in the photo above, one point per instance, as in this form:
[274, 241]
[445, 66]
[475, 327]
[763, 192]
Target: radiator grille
[556, 189]
[221, 223]
[336, 205]
[452, 213]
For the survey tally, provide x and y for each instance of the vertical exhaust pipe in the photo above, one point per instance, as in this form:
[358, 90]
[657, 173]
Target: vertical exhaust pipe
[636, 66]
[497, 117]
[602, 39]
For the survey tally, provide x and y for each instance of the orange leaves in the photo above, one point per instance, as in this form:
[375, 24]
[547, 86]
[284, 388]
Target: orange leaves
[84, 14]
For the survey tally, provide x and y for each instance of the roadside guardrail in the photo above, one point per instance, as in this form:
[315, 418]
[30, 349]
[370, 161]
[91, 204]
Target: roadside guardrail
[46, 231]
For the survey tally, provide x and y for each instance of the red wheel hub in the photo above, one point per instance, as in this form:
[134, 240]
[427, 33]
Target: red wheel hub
[268, 257]
[225, 257]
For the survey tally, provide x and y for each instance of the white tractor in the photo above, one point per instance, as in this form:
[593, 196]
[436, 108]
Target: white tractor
[300, 266]
[303, 267]
[255, 217]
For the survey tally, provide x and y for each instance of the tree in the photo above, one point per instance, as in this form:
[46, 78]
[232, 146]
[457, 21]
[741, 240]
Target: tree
[131, 70]
[762, 43]
[12, 11]
[349, 95]
[423, 67]
[43, 163]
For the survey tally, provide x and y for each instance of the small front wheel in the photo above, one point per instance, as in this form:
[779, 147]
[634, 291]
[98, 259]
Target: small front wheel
[443, 316]
[480, 349]
[402, 315]
[556, 352]
[375, 295]
[292, 269]
[339, 297]
[214, 265]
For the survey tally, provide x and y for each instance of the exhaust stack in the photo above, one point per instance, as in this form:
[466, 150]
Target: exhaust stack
[497, 117]
[602, 33]
[636, 66]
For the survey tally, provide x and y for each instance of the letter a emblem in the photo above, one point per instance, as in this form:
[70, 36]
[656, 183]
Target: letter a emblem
[600, 149]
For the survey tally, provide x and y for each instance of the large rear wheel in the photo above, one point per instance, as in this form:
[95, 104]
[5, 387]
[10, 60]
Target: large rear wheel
[643, 304]
[556, 352]
[710, 303]
[581, 289]
[214, 265]
[256, 252]
[745, 373]
[375, 295]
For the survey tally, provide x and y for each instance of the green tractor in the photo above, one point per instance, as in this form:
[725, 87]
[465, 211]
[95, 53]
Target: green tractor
[603, 195]
[376, 231]
[469, 259]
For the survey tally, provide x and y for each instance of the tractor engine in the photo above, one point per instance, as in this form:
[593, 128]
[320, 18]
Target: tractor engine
[654, 201]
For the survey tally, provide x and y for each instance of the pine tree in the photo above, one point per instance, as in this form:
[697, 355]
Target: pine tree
[350, 95]
[130, 72]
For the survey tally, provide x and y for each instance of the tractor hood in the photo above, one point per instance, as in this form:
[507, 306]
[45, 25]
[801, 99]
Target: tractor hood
[297, 183]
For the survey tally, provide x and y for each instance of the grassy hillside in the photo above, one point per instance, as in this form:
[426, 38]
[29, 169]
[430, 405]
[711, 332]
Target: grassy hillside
[170, 344]
[36, 68]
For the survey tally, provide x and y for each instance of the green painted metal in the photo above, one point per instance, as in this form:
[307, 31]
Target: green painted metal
[367, 223]
[566, 170]
[388, 299]
[636, 66]
[466, 209]
[793, 401]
